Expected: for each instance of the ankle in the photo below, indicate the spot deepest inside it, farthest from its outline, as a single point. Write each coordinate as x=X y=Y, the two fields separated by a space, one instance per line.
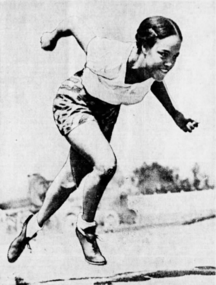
x=32 y=227
x=82 y=224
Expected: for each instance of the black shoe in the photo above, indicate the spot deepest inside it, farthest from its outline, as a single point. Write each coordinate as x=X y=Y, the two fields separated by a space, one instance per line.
x=18 y=244
x=92 y=253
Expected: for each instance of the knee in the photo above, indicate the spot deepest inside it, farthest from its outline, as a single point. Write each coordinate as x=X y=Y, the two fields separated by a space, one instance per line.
x=107 y=167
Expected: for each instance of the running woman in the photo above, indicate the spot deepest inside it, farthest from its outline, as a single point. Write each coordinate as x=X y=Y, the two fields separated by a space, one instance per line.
x=86 y=109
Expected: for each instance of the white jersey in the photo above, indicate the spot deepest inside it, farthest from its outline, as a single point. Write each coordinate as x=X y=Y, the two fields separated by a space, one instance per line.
x=105 y=70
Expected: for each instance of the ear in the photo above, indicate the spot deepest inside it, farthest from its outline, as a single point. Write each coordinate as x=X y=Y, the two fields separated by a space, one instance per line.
x=144 y=50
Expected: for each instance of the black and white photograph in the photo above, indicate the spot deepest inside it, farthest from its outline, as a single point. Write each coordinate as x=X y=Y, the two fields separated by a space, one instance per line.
x=107 y=157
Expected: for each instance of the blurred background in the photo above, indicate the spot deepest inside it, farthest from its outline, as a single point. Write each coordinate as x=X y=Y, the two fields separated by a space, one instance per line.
x=154 y=156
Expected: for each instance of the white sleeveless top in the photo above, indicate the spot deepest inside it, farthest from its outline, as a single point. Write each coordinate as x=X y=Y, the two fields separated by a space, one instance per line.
x=105 y=71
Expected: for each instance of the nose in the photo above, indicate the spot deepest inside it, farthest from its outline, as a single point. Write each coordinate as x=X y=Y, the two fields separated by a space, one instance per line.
x=169 y=63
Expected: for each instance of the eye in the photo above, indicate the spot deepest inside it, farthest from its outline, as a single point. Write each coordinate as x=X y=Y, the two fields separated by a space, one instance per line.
x=163 y=55
x=167 y=56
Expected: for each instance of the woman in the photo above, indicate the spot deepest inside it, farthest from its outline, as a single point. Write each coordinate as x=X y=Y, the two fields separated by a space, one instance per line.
x=86 y=109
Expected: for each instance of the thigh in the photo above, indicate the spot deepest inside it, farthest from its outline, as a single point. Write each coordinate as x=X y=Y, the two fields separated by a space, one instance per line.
x=105 y=114
x=89 y=141
x=89 y=147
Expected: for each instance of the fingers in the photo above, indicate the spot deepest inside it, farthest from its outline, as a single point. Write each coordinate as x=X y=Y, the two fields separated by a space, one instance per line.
x=186 y=129
x=187 y=125
x=191 y=125
x=45 y=41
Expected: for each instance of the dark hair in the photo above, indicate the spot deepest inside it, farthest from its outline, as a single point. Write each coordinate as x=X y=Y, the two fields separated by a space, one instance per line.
x=153 y=28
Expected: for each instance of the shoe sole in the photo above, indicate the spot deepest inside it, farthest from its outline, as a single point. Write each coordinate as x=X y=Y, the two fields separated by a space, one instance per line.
x=95 y=263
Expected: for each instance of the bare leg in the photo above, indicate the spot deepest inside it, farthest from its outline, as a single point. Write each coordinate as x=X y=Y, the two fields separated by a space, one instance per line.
x=89 y=141
x=57 y=194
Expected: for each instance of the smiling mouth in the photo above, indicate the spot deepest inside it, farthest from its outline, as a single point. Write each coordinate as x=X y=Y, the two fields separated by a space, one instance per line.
x=165 y=71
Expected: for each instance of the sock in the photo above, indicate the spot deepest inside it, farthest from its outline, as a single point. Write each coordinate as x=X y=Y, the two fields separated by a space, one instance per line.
x=82 y=224
x=32 y=227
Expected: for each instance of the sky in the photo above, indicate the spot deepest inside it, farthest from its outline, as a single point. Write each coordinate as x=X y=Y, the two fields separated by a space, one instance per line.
x=29 y=79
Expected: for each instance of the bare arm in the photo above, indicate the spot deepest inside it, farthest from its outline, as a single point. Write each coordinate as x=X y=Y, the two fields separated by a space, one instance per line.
x=73 y=26
x=160 y=92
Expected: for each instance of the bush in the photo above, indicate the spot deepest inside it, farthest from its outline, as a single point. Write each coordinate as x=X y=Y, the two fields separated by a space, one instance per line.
x=154 y=178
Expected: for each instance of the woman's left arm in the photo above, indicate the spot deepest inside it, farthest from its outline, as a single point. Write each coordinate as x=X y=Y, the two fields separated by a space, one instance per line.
x=160 y=92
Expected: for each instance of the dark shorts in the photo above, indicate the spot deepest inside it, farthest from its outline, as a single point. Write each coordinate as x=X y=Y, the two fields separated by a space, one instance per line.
x=73 y=106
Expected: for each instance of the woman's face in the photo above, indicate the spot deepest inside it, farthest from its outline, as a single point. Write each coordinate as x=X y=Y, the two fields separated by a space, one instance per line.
x=160 y=59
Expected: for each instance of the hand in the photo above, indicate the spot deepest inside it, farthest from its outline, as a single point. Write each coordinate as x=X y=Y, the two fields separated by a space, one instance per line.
x=187 y=125
x=48 y=41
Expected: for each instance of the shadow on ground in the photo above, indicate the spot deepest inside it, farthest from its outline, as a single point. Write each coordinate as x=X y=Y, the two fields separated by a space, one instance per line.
x=129 y=277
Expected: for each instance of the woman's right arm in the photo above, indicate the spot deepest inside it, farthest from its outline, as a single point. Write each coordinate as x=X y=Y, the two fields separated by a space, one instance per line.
x=72 y=26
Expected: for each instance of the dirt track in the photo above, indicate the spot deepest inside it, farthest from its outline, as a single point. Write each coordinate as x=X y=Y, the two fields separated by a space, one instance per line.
x=175 y=251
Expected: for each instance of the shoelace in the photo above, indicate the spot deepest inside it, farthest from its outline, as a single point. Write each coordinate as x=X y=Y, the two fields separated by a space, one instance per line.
x=28 y=240
x=92 y=237
x=29 y=247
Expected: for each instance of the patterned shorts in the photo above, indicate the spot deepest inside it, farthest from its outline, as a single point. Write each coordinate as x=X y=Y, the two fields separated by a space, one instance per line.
x=73 y=106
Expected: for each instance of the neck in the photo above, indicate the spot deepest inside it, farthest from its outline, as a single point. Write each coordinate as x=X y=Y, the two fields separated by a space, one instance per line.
x=136 y=72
